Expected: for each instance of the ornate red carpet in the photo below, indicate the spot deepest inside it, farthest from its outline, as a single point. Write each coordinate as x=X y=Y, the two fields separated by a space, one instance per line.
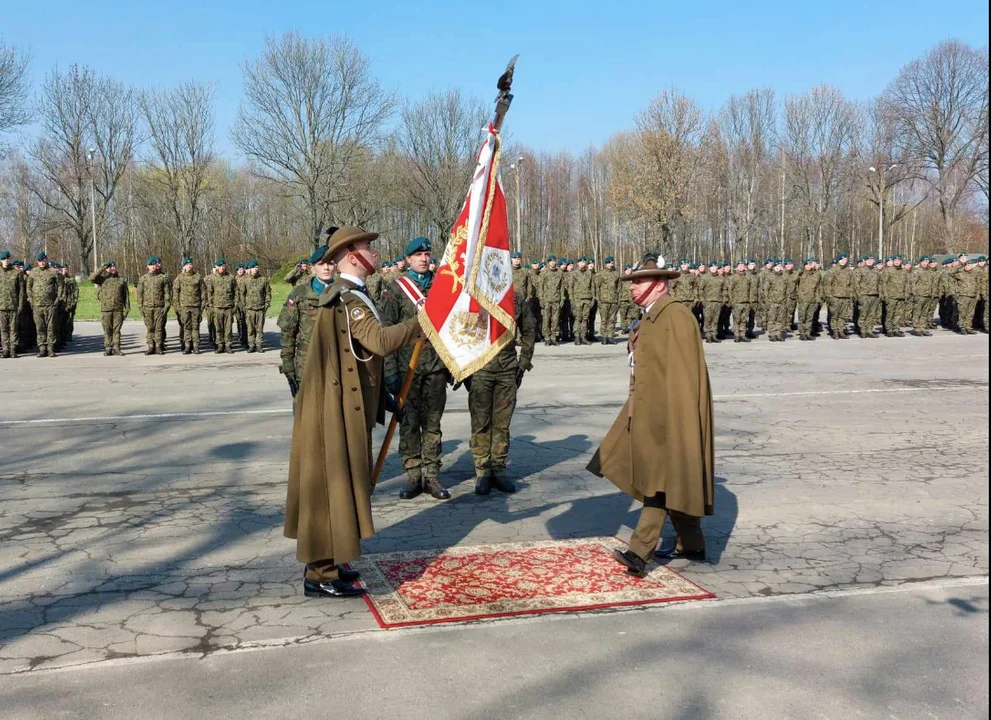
x=527 y=578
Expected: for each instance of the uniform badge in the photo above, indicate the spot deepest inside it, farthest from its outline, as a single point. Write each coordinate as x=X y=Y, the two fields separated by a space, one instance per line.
x=357 y=314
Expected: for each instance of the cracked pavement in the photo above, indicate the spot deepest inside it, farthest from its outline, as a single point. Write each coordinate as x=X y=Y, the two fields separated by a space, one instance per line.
x=840 y=465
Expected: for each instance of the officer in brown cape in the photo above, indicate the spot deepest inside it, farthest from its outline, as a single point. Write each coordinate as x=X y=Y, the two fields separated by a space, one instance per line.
x=660 y=448
x=342 y=396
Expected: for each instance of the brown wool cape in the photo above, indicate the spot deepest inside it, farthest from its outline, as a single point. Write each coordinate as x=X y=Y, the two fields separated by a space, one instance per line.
x=662 y=441
x=328 y=505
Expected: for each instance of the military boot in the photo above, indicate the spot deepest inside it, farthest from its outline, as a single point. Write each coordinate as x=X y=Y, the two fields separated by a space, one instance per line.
x=150 y=350
x=501 y=483
x=414 y=486
x=437 y=491
x=483 y=482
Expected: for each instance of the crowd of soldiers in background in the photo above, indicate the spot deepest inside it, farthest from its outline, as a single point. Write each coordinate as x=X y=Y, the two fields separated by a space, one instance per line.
x=38 y=305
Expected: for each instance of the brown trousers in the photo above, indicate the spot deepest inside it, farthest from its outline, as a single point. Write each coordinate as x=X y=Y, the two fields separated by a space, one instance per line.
x=651 y=523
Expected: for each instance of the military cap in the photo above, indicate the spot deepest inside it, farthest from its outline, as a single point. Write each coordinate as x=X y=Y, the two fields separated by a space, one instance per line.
x=316 y=256
x=18 y=263
x=345 y=237
x=110 y=264
x=386 y=264
x=27 y=266
x=981 y=258
x=187 y=261
x=219 y=261
x=41 y=256
x=5 y=255
x=251 y=264
x=515 y=255
x=551 y=258
x=948 y=261
x=582 y=259
x=627 y=267
x=609 y=259
x=417 y=244
x=651 y=266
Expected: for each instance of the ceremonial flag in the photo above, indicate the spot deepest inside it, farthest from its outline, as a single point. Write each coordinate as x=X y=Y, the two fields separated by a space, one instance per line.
x=470 y=312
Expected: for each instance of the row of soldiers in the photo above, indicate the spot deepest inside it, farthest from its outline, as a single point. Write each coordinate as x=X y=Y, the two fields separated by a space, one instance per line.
x=891 y=294
x=37 y=305
x=226 y=299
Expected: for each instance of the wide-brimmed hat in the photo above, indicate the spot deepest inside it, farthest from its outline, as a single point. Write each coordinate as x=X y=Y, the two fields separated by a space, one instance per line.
x=651 y=266
x=345 y=236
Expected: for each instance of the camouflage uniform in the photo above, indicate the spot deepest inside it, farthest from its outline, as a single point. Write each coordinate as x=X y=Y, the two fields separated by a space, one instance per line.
x=966 y=290
x=684 y=289
x=70 y=299
x=154 y=295
x=777 y=306
x=420 y=432
x=256 y=296
x=711 y=292
x=607 y=295
x=894 y=292
x=189 y=295
x=492 y=400
x=221 y=295
x=581 y=291
x=44 y=291
x=629 y=310
x=296 y=324
x=115 y=304
x=868 y=289
x=551 y=292
x=809 y=293
x=523 y=283
x=13 y=290
x=923 y=283
x=839 y=290
x=738 y=291
x=240 y=319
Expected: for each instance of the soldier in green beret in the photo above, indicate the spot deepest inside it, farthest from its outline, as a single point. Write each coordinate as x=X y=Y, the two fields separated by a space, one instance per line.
x=607 y=295
x=44 y=290
x=551 y=291
x=154 y=296
x=13 y=292
x=239 y=318
x=420 y=432
x=221 y=297
x=189 y=291
x=256 y=296
x=115 y=304
x=581 y=292
x=298 y=312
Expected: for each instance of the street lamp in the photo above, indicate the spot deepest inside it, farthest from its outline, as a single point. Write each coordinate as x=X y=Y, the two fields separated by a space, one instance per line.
x=92 y=204
x=519 y=204
x=880 y=207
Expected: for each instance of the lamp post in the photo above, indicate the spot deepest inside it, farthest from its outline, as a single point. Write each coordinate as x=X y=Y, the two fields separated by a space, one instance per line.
x=92 y=205
x=880 y=207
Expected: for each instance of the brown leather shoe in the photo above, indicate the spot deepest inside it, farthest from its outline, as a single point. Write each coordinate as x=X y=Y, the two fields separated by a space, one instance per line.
x=437 y=491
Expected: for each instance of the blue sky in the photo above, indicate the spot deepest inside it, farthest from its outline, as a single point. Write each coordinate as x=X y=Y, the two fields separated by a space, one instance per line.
x=585 y=68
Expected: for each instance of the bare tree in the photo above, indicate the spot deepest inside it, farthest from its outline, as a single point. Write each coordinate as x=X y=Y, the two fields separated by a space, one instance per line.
x=440 y=137
x=941 y=103
x=180 y=125
x=80 y=112
x=13 y=88
x=311 y=109
x=820 y=129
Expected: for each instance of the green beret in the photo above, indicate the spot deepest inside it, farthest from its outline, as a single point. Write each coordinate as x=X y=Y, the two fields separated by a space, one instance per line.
x=187 y=261
x=316 y=256
x=609 y=259
x=109 y=264
x=27 y=266
x=5 y=255
x=154 y=260
x=251 y=264
x=41 y=256
x=18 y=263
x=551 y=258
x=627 y=267
x=515 y=255
x=219 y=261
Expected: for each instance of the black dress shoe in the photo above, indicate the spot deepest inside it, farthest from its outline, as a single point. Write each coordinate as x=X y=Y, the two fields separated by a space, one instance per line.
x=635 y=565
x=436 y=490
x=413 y=488
x=346 y=575
x=332 y=589
x=676 y=553
x=483 y=486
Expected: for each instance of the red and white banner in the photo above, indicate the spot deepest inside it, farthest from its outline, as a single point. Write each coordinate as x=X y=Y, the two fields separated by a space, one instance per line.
x=470 y=311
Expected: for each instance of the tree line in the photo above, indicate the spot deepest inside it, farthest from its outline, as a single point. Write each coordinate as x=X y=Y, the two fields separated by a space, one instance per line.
x=324 y=143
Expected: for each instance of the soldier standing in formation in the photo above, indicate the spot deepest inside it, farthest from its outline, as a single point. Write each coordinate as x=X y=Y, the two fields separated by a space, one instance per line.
x=967 y=290
x=868 y=292
x=221 y=297
x=492 y=401
x=809 y=293
x=838 y=290
x=240 y=319
x=711 y=295
x=13 y=292
x=522 y=280
x=777 y=304
x=154 y=296
x=70 y=300
x=256 y=297
x=894 y=293
x=607 y=292
x=296 y=316
x=581 y=291
x=420 y=435
x=115 y=304
x=44 y=289
x=738 y=291
x=551 y=292
x=189 y=295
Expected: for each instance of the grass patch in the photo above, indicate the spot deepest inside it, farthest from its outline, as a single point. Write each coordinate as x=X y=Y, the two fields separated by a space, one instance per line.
x=89 y=306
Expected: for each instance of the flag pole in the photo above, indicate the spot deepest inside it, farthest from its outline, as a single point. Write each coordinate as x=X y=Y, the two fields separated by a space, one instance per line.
x=390 y=432
x=502 y=101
